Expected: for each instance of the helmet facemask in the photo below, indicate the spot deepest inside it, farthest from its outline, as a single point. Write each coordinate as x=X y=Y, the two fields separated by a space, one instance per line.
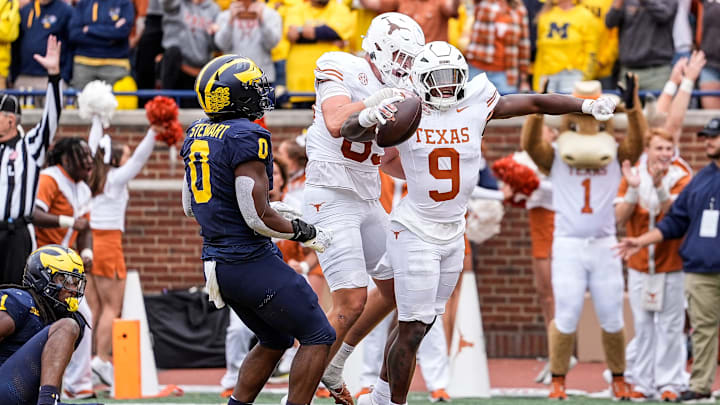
x=65 y=289
x=442 y=88
x=265 y=94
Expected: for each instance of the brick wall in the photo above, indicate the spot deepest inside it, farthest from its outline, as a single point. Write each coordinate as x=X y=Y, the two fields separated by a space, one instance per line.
x=165 y=246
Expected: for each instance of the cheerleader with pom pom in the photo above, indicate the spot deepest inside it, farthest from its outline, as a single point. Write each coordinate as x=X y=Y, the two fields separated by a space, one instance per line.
x=115 y=166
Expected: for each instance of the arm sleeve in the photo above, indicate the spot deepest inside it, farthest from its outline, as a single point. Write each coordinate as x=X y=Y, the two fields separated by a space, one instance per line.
x=47 y=191
x=110 y=31
x=129 y=170
x=223 y=38
x=677 y=221
x=40 y=136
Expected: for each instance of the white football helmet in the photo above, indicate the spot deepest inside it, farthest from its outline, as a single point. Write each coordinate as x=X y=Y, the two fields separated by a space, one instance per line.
x=392 y=41
x=439 y=75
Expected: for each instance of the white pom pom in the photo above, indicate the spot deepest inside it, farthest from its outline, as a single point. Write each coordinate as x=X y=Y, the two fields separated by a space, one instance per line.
x=483 y=220
x=97 y=99
x=524 y=159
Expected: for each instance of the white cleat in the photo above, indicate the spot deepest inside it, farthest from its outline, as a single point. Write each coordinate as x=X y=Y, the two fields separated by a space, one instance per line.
x=103 y=370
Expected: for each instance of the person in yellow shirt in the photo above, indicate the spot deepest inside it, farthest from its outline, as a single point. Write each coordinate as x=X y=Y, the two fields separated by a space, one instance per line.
x=567 y=45
x=314 y=28
x=607 y=53
x=9 y=31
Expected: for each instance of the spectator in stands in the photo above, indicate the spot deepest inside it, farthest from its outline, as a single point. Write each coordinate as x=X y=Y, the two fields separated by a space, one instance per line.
x=432 y=15
x=114 y=167
x=694 y=214
x=313 y=28
x=9 y=30
x=646 y=39
x=708 y=32
x=251 y=29
x=61 y=217
x=500 y=44
x=188 y=28
x=37 y=22
x=655 y=278
x=99 y=32
x=567 y=45
x=149 y=46
x=608 y=50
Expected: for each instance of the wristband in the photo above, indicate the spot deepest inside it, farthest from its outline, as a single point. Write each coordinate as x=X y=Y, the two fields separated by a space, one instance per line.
x=631 y=195
x=86 y=254
x=305 y=267
x=662 y=194
x=587 y=106
x=65 y=221
x=687 y=85
x=670 y=88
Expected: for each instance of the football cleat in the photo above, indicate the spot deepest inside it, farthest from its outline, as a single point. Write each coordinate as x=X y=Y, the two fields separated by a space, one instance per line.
x=341 y=395
x=637 y=396
x=439 y=395
x=619 y=389
x=363 y=391
x=557 y=389
x=668 y=396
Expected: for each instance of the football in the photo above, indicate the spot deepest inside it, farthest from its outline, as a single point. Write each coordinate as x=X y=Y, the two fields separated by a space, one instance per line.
x=403 y=125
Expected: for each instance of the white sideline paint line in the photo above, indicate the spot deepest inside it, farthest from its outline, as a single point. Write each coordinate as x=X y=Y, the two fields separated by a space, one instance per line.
x=216 y=389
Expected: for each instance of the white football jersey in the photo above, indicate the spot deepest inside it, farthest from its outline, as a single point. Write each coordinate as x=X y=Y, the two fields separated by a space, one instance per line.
x=583 y=199
x=337 y=162
x=442 y=163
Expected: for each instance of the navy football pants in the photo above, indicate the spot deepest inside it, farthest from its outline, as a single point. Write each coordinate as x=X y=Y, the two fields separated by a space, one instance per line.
x=275 y=302
x=20 y=374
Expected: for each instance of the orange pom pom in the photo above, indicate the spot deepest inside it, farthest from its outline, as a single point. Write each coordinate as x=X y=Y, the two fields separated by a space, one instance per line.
x=519 y=177
x=161 y=110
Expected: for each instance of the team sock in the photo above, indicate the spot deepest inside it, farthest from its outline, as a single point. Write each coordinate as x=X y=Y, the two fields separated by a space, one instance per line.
x=333 y=373
x=381 y=392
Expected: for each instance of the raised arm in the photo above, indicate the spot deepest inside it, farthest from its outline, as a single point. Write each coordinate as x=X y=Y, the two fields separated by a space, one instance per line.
x=128 y=171
x=540 y=151
x=40 y=137
x=514 y=105
x=631 y=146
x=679 y=105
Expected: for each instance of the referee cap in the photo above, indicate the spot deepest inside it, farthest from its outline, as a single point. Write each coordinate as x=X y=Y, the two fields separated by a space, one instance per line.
x=9 y=103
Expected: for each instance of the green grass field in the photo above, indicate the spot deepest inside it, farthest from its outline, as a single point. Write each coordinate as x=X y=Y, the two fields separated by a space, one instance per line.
x=415 y=399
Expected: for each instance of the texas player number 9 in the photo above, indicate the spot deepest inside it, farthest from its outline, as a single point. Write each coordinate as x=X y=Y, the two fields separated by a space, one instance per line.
x=452 y=174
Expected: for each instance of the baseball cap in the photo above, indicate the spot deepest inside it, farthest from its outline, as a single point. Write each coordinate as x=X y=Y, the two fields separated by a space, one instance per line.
x=712 y=129
x=9 y=103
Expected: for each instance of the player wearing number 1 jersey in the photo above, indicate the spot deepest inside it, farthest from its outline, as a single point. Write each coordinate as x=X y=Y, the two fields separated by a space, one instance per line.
x=342 y=182
x=228 y=173
x=441 y=164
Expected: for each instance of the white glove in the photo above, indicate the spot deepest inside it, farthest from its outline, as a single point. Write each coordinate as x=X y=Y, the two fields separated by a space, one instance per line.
x=381 y=95
x=285 y=210
x=601 y=109
x=321 y=241
x=379 y=114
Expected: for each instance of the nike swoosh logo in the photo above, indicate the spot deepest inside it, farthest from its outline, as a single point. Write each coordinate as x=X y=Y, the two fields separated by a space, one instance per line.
x=462 y=109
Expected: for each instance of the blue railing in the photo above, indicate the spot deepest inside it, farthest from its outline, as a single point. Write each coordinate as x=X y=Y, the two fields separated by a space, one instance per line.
x=185 y=94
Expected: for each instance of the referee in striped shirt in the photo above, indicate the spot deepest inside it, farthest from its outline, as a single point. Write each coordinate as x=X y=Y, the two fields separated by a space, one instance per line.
x=21 y=158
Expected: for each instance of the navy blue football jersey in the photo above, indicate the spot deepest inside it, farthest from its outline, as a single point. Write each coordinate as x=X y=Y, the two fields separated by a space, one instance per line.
x=211 y=152
x=21 y=307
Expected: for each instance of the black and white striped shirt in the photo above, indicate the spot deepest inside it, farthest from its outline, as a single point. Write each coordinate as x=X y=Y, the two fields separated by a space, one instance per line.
x=21 y=159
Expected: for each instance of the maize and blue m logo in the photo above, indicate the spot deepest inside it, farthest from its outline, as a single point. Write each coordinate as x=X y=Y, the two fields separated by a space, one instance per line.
x=560 y=30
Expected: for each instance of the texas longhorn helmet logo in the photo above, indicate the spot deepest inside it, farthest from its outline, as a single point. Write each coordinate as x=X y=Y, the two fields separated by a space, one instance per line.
x=394 y=27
